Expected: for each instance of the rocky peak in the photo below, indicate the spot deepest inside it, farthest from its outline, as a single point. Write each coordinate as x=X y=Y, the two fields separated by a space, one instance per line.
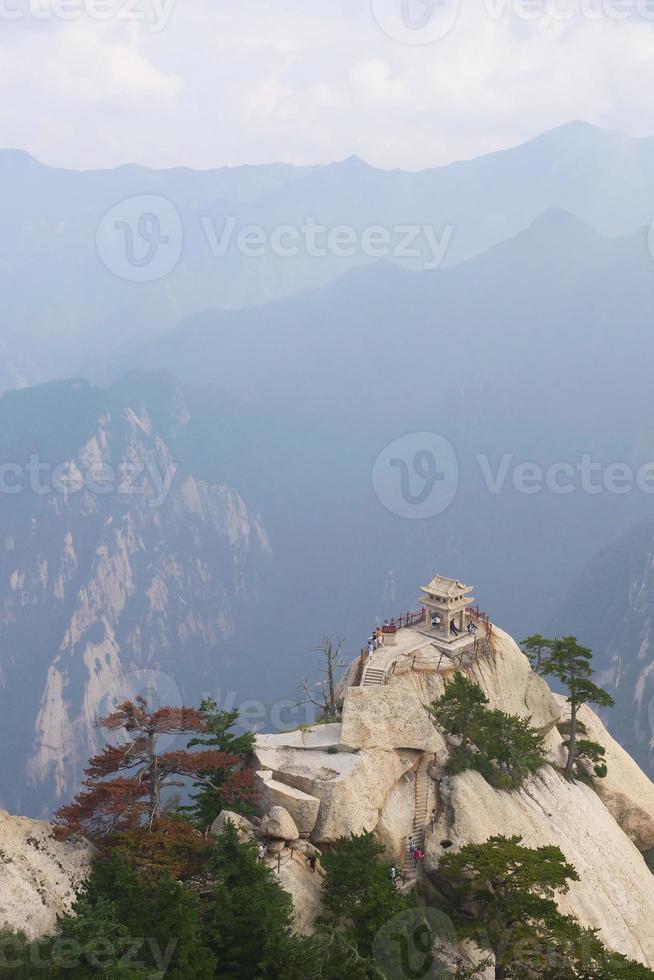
x=382 y=769
x=124 y=572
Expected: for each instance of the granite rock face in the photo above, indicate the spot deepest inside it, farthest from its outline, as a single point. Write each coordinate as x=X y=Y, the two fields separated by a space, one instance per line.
x=626 y=791
x=279 y=824
x=128 y=576
x=615 y=893
x=38 y=875
x=387 y=718
x=384 y=770
x=302 y=807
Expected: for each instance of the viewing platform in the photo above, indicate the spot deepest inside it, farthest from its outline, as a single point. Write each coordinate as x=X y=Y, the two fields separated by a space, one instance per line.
x=439 y=636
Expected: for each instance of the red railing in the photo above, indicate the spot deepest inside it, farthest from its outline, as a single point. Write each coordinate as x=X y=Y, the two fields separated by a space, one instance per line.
x=476 y=613
x=407 y=619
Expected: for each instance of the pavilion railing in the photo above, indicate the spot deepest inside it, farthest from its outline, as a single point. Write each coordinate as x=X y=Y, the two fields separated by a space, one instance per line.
x=402 y=621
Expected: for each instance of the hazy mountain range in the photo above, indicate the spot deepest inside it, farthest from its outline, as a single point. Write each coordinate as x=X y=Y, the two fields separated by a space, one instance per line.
x=530 y=346
x=62 y=304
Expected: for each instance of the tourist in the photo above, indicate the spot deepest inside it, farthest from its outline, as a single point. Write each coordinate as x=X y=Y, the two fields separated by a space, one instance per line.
x=380 y=636
x=412 y=847
x=313 y=860
x=435 y=622
x=371 y=647
x=432 y=821
x=417 y=855
x=394 y=875
x=454 y=629
x=261 y=853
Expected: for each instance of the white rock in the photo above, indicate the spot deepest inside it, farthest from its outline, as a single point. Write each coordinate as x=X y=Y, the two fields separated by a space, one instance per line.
x=396 y=819
x=387 y=718
x=625 y=790
x=278 y=823
x=615 y=893
x=242 y=824
x=318 y=737
x=39 y=876
x=296 y=877
x=302 y=807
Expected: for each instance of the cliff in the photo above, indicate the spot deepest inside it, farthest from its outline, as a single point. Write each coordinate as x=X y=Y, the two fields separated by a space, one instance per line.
x=383 y=770
x=38 y=875
x=122 y=572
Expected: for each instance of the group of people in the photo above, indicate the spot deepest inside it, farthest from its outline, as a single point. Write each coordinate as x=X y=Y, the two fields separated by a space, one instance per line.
x=376 y=638
x=436 y=622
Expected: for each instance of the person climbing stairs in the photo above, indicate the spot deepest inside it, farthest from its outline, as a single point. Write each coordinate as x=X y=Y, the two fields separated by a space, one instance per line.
x=423 y=801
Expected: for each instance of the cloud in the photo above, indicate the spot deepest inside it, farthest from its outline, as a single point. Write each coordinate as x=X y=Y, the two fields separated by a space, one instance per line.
x=233 y=81
x=372 y=82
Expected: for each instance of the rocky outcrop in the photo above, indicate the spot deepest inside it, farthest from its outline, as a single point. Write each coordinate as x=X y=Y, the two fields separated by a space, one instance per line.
x=302 y=807
x=278 y=823
x=351 y=788
x=384 y=767
x=38 y=875
x=126 y=576
x=294 y=862
x=626 y=791
x=244 y=826
x=304 y=887
x=387 y=718
x=615 y=893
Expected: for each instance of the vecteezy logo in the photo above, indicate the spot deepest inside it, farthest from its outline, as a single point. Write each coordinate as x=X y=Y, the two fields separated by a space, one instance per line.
x=416 y=21
x=416 y=476
x=405 y=948
x=141 y=239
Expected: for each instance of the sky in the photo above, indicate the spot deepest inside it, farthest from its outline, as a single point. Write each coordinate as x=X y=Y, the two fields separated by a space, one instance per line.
x=401 y=83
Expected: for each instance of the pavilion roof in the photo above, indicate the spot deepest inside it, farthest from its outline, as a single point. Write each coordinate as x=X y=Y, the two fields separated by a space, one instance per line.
x=446 y=588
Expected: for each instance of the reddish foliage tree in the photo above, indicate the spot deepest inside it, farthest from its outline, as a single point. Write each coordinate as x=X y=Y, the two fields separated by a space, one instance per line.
x=125 y=784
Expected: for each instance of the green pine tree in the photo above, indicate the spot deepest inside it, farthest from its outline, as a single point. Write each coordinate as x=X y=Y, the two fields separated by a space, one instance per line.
x=506 y=899
x=219 y=789
x=534 y=647
x=156 y=910
x=504 y=748
x=589 y=755
x=247 y=914
x=570 y=663
x=358 y=894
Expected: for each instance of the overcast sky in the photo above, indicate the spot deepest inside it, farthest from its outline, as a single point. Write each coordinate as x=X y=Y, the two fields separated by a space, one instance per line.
x=210 y=82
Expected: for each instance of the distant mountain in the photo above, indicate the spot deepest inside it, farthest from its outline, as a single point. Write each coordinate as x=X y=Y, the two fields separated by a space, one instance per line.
x=120 y=573
x=67 y=300
x=611 y=609
x=536 y=352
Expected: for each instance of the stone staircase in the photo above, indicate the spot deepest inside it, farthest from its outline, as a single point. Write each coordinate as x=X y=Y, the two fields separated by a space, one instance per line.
x=423 y=804
x=373 y=677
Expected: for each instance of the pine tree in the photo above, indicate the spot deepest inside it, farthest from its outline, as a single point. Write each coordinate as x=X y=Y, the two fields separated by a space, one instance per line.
x=504 y=748
x=358 y=894
x=229 y=786
x=509 y=748
x=247 y=914
x=568 y=661
x=459 y=708
x=512 y=891
x=127 y=783
x=534 y=647
x=156 y=910
x=588 y=754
